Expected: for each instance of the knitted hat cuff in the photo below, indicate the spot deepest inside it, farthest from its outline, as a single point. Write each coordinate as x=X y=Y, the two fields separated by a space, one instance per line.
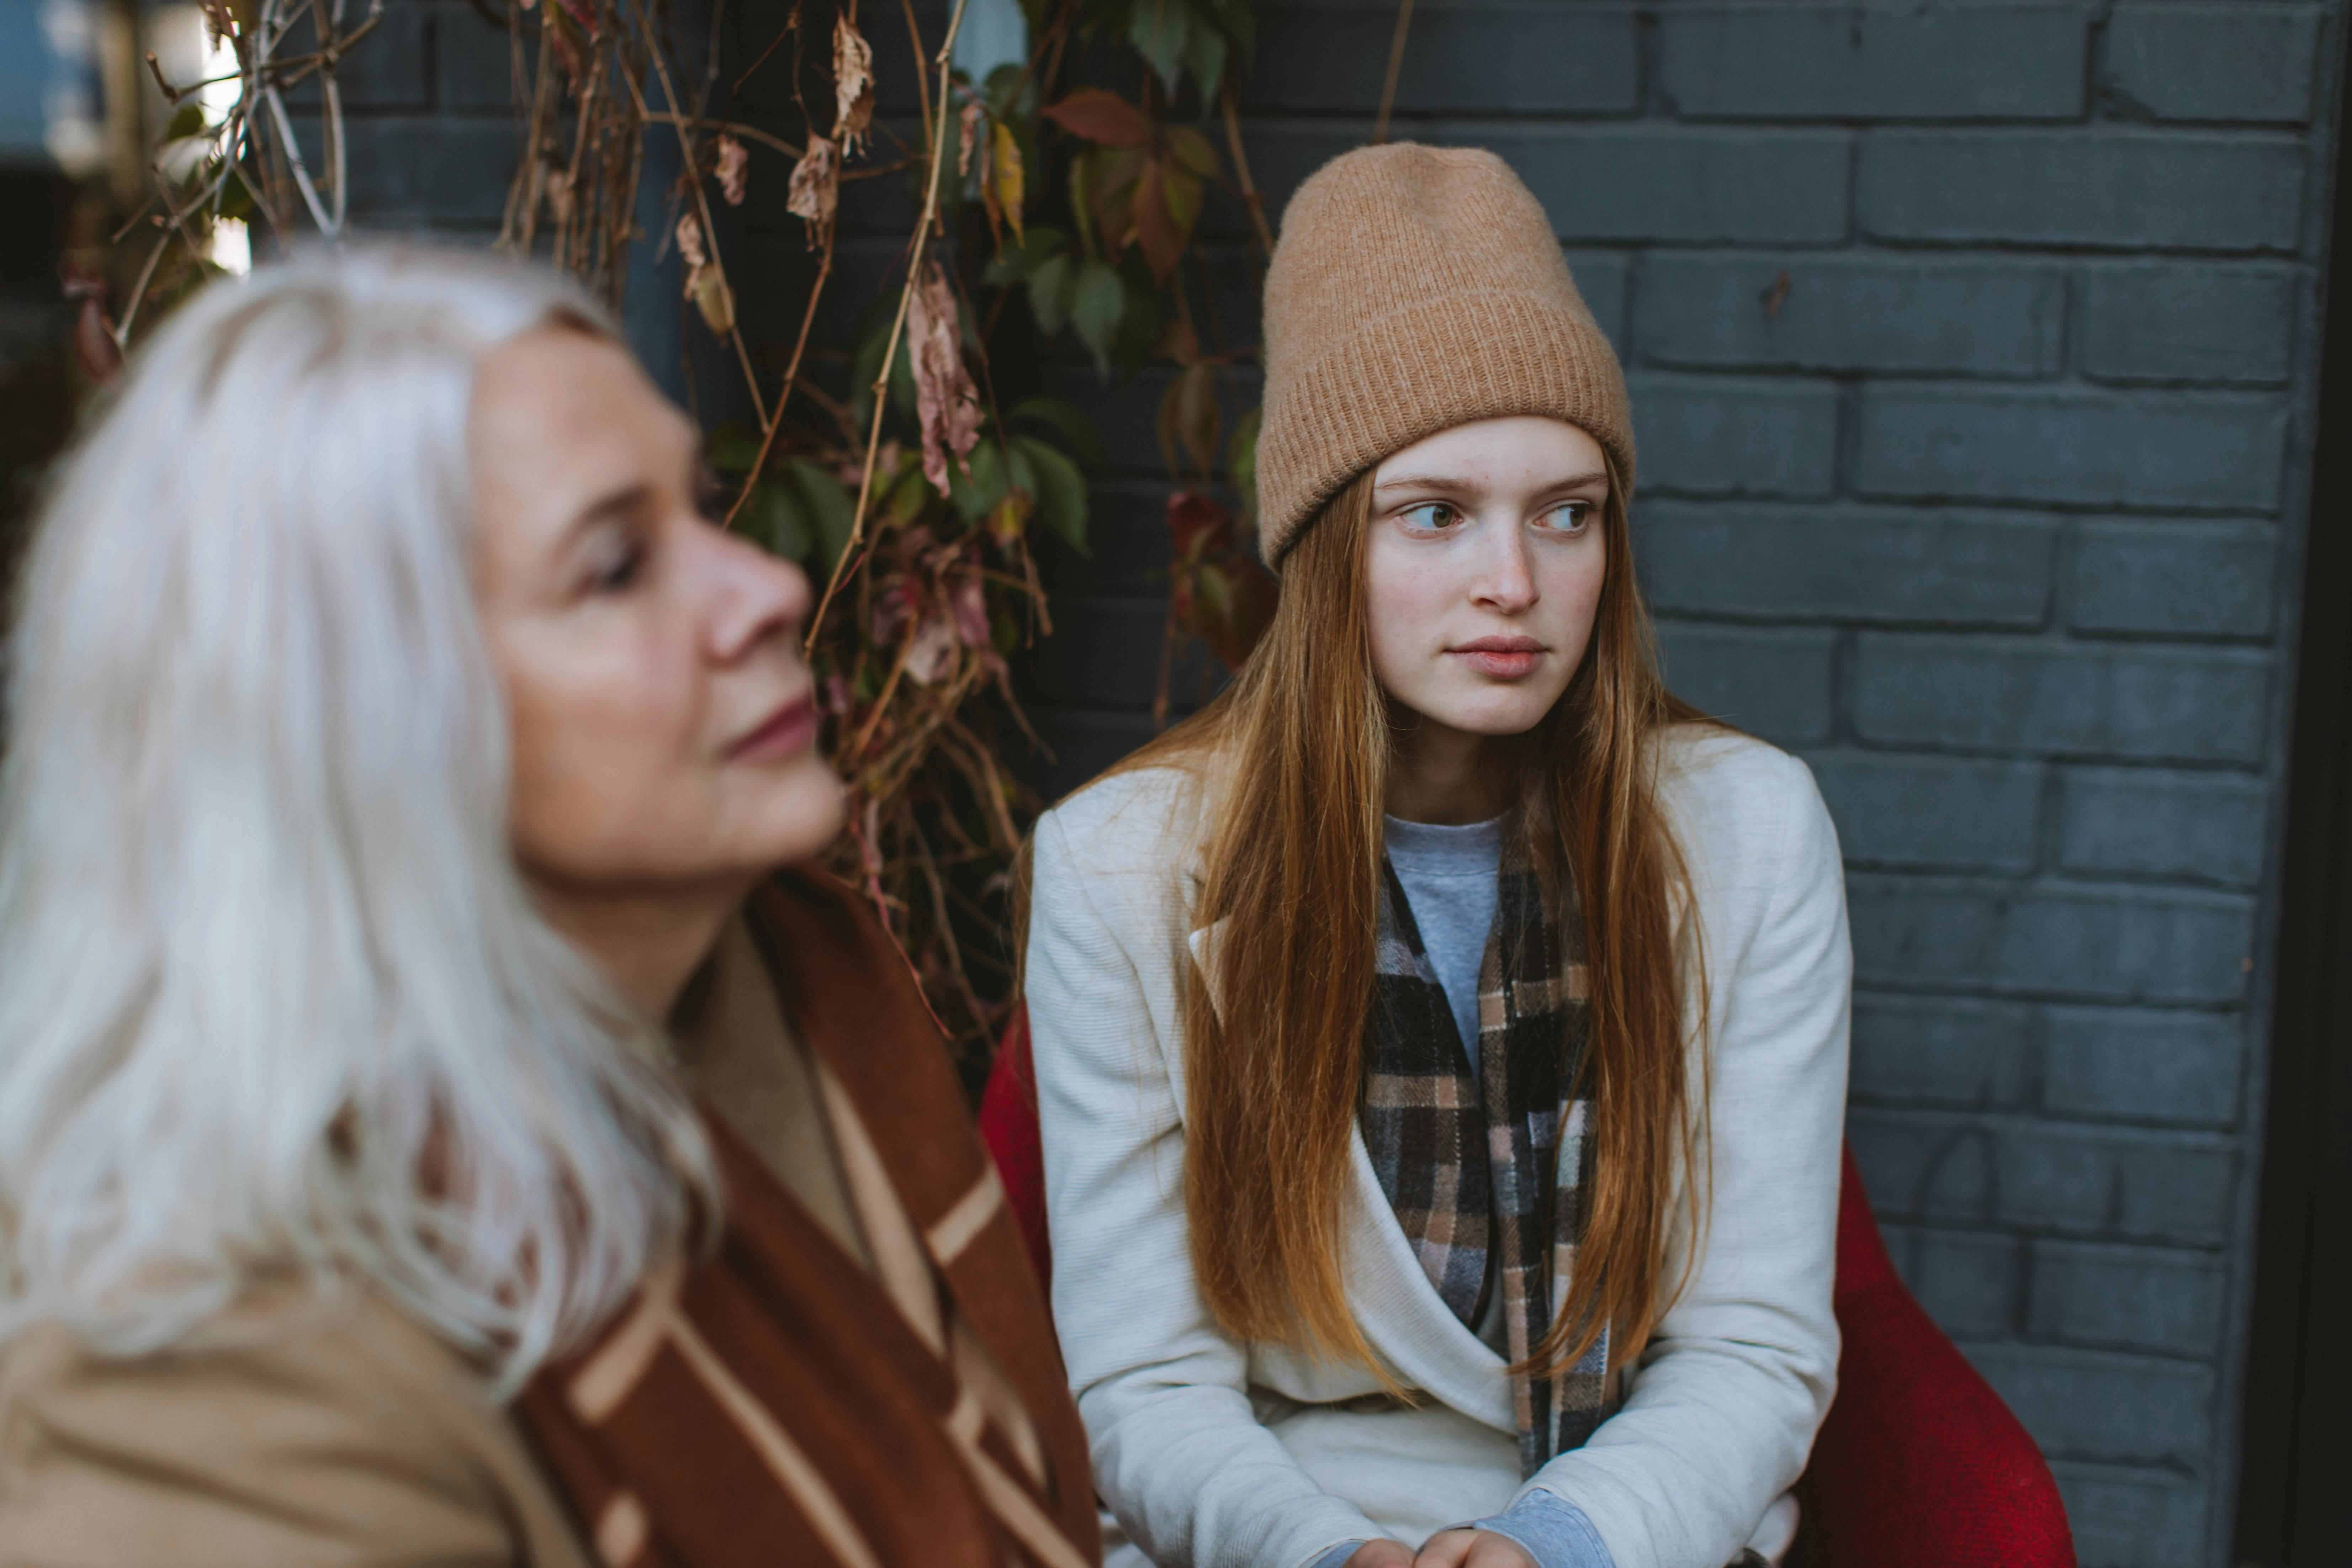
x=1408 y=374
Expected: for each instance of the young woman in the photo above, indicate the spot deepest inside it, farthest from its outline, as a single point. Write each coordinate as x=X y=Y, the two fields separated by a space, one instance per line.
x=398 y=767
x=1441 y=1039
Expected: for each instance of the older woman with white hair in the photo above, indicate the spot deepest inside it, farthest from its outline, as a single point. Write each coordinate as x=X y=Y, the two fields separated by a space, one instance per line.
x=431 y=1128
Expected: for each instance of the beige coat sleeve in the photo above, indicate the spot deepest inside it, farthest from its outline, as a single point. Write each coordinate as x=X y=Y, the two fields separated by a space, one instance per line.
x=345 y=1437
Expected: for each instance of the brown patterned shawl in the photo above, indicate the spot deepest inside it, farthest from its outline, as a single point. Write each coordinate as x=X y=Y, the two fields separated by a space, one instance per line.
x=777 y=1403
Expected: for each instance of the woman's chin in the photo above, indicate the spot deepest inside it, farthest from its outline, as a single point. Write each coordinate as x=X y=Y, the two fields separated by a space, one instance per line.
x=799 y=813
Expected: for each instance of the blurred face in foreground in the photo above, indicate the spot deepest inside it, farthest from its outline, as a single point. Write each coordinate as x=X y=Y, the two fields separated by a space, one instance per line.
x=1483 y=571
x=664 y=726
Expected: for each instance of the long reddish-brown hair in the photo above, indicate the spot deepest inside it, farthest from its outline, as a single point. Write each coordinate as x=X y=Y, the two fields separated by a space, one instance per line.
x=1299 y=745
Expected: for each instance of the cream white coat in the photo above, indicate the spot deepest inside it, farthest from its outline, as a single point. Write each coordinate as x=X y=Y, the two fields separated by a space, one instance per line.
x=1211 y=1453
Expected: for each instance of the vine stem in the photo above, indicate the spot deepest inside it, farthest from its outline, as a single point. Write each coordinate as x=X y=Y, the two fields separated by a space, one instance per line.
x=791 y=373
x=918 y=249
x=1396 y=65
x=701 y=196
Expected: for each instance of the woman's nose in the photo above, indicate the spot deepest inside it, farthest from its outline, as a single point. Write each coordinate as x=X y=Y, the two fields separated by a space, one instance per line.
x=754 y=595
x=1505 y=579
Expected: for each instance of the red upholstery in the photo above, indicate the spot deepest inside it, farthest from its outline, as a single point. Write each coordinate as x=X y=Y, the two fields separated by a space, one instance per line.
x=1919 y=1465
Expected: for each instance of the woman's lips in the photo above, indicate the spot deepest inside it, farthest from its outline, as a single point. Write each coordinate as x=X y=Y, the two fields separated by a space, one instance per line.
x=1500 y=658
x=787 y=731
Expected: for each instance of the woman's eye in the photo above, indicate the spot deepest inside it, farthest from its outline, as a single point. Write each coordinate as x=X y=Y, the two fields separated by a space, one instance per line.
x=1569 y=519
x=1432 y=517
x=617 y=562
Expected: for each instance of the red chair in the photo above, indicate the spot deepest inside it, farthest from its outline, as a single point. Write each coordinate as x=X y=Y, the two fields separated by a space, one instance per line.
x=1919 y=1465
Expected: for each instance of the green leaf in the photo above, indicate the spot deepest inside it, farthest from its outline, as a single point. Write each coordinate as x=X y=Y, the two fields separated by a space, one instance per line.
x=973 y=497
x=1050 y=290
x=732 y=445
x=1241 y=454
x=1205 y=57
x=1138 y=326
x=1097 y=306
x=1192 y=150
x=1066 y=420
x=1019 y=260
x=188 y=120
x=829 y=505
x=775 y=517
x=236 y=197
x=1159 y=30
x=1061 y=490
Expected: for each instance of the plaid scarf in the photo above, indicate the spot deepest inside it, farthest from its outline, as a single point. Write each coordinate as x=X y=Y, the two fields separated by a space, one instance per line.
x=1495 y=1164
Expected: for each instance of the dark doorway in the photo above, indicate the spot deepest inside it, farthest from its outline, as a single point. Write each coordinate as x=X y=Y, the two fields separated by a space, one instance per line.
x=2295 y=1504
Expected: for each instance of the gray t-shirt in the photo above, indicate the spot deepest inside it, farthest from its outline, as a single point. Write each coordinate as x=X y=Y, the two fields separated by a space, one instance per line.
x=1449 y=876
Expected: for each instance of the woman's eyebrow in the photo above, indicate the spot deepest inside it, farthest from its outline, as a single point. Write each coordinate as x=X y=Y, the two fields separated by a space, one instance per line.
x=620 y=504
x=1452 y=482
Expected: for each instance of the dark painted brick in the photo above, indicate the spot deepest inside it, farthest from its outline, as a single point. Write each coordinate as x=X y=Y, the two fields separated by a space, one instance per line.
x=1922 y=1167
x=1848 y=563
x=2214 y=62
x=2119 y=1182
x=1600 y=277
x=1946 y=813
x=2120 y=945
x=2204 y=827
x=1875 y=62
x=1873 y=312
x=386 y=69
x=2122 y=188
x=1624 y=183
x=1940 y=1050
x=1082 y=743
x=2094 y=1405
x=2188 y=579
x=2124 y=1517
x=407 y=170
x=2085 y=698
x=1127 y=540
x=473 y=64
x=1104 y=654
x=2142 y=1064
x=2187 y=322
x=2125 y=1298
x=1716 y=436
x=1775 y=684
x=1482 y=59
x=1968 y=1281
x=1125 y=411
x=2220 y=451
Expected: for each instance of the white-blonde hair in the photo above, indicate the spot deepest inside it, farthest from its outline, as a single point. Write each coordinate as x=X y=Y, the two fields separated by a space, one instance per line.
x=274 y=1000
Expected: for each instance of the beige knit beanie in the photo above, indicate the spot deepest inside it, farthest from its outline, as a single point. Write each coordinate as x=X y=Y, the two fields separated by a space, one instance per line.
x=1415 y=289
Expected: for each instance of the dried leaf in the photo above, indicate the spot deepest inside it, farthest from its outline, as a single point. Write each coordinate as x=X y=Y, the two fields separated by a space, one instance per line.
x=1011 y=179
x=1100 y=116
x=945 y=399
x=707 y=287
x=689 y=243
x=1189 y=420
x=706 y=284
x=970 y=603
x=932 y=654
x=968 y=136
x=852 y=84
x=734 y=165
x=816 y=189
x=93 y=341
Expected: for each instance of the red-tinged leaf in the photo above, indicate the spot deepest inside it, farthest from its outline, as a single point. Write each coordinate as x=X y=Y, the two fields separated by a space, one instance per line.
x=1155 y=234
x=1102 y=117
x=1179 y=191
x=1111 y=180
x=1198 y=526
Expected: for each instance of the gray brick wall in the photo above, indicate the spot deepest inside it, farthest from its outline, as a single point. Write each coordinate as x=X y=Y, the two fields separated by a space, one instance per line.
x=1993 y=519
